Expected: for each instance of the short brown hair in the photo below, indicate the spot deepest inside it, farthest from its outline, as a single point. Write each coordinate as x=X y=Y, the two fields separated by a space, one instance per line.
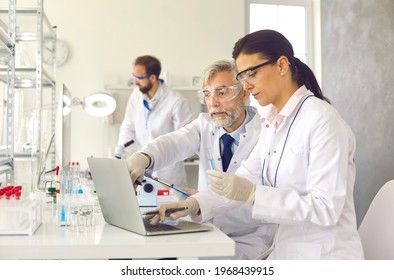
x=151 y=63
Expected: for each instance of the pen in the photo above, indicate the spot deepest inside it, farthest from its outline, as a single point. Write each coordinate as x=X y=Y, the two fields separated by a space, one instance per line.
x=163 y=182
x=170 y=210
x=128 y=143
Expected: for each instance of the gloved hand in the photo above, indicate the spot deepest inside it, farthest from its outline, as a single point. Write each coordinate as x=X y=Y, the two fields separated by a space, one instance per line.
x=191 y=205
x=231 y=186
x=136 y=164
x=189 y=191
x=119 y=151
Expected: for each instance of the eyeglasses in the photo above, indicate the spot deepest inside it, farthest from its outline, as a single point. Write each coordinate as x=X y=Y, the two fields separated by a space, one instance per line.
x=249 y=75
x=222 y=93
x=141 y=77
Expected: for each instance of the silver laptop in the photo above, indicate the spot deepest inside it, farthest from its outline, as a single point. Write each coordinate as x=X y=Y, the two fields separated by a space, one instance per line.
x=119 y=203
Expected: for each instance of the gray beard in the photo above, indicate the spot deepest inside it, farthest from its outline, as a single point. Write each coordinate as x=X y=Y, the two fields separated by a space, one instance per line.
x=230 y=118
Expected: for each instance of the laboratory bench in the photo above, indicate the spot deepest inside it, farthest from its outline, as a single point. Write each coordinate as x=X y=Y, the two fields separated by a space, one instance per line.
x=104 y=241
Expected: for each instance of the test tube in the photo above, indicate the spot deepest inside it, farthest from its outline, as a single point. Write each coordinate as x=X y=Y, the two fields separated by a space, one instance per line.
x=74 y=217
x=62 y=211
x=210 y=159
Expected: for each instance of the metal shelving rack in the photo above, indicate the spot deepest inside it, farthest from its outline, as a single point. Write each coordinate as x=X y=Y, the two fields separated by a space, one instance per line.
x=38 y=79
x=7 y=55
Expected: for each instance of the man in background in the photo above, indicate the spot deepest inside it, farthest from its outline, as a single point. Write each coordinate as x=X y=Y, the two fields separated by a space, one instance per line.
x=154 y=109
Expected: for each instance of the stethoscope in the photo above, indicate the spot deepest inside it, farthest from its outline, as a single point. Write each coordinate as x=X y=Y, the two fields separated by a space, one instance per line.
x=284 y=144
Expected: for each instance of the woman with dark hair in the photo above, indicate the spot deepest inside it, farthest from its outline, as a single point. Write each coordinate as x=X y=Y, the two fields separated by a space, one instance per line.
x=304 y=158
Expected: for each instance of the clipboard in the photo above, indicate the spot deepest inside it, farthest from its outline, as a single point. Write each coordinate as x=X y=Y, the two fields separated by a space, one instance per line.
x=168 y=185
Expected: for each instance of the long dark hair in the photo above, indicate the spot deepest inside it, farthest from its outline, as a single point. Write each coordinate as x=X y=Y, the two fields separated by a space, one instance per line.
x=271 y=44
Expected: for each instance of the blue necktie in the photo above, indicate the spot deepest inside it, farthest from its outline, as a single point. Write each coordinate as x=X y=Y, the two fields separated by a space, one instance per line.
x=146 y=104
x=227 y=152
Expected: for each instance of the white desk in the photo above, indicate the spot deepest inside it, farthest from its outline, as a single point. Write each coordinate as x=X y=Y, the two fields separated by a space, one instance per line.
x=104 y=241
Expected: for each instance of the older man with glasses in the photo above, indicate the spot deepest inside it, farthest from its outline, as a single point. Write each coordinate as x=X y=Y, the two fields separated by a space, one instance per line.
x=153 y=109
x=222 y=138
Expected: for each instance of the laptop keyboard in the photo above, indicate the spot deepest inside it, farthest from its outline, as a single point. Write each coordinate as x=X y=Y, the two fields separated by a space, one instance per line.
x=158 y=227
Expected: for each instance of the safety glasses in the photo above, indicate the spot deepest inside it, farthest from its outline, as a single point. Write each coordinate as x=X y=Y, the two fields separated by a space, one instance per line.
x=249 y=75
x=222 y=93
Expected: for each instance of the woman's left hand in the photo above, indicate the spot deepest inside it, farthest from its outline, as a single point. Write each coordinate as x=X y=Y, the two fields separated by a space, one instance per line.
x=231 y=186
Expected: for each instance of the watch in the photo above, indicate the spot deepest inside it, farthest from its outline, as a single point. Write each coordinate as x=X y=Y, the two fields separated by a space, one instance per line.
x=62 y=52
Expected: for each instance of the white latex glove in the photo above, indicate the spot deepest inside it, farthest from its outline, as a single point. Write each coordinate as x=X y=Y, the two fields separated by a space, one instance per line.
x=231 y=186
x=191 y=205
x=136 y=164
x=119 y=151
x=189 y=191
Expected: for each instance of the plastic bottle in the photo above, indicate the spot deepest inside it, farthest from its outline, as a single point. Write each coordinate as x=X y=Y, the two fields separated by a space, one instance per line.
x=77 y=178
x=62 y=208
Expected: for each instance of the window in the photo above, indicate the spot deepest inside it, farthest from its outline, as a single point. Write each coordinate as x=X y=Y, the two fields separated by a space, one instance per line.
x=297 y=20
x=292 y=18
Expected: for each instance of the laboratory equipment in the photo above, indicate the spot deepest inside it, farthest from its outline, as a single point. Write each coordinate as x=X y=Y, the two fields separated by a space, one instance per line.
x=75 y=206
x=18 y=215
x=147 y=193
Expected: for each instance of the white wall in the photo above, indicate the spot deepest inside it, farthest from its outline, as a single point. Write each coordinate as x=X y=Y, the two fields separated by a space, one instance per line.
x=106 y=36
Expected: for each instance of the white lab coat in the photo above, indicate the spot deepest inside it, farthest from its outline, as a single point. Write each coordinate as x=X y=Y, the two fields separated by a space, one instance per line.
x=171 y=112
x=312 y=202
x=195 y=138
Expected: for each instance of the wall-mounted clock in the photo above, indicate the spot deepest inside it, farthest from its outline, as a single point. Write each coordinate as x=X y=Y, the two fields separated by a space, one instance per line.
x=62 y=52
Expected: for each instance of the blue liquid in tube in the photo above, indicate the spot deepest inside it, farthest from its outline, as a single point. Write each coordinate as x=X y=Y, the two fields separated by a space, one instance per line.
x=212 y=164
x=210 y=159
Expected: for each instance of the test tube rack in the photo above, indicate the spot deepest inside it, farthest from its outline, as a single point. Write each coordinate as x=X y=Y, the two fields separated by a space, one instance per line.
x=22 y=217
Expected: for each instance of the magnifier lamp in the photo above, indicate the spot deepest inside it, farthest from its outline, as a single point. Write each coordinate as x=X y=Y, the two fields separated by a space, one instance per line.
x=98 y=104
